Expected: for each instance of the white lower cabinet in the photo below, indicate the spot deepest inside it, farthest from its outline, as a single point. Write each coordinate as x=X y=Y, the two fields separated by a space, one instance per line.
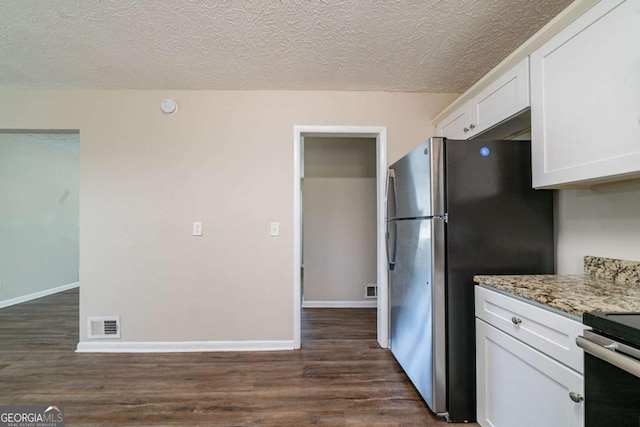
x=519 y=384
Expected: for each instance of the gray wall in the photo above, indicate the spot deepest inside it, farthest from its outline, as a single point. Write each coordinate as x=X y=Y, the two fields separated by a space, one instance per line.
x=38 y=213
x=339 y=219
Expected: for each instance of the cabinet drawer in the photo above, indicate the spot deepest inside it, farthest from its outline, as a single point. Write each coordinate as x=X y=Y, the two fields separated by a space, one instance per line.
x=548 y=332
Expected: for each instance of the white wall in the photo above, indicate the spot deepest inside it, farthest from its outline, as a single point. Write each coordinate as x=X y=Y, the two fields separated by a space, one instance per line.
x=38 y=213
x=602 y=221
x=339 y=220
x=226 y=159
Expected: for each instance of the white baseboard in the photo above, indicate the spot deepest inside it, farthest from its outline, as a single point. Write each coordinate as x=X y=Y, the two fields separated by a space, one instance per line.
x=340 y=304
x=36 y=295
x=181 y=346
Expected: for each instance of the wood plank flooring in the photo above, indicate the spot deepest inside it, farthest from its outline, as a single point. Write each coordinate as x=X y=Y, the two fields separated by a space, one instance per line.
x=339 y=378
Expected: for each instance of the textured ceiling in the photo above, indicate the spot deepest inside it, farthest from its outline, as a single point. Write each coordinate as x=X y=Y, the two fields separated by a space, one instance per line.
x=430 y=46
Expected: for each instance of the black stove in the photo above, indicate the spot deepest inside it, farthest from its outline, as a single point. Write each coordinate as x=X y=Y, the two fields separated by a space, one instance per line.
x=611 y=369
x=618 y=326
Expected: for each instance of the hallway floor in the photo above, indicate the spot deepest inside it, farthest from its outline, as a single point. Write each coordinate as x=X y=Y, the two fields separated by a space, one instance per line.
x=340 y=376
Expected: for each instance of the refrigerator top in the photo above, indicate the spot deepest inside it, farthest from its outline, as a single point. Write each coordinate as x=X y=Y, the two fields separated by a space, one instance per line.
x=415 y=185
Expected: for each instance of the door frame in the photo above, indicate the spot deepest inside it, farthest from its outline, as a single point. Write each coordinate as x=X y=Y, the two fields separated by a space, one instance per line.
x=380 y=134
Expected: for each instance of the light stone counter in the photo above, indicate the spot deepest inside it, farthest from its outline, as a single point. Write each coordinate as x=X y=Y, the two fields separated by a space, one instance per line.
x=571 y=294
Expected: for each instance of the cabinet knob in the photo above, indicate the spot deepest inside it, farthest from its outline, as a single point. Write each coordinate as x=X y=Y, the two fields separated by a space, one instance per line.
x=465 y=130
x=576 y=397
x=516 y=320
x=472 y=126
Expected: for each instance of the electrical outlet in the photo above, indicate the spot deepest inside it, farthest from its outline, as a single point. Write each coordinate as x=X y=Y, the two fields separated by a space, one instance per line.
x=197 y=229
x=274 y=229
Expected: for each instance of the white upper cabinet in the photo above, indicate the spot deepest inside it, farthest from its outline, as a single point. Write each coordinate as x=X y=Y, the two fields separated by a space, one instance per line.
x=456 y=124
x=502 y=99
x=585 y=99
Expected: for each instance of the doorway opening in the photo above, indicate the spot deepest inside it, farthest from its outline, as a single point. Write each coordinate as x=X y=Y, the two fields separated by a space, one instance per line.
x=39 y=220
x=338 y=184
x=324 y=142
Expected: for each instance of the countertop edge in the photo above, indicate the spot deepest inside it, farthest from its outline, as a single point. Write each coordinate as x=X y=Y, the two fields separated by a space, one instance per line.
x=533 y=302
x=574 y=294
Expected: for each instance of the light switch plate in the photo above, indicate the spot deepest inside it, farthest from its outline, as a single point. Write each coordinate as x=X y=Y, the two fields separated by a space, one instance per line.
x=197 y=229
x=275 y=229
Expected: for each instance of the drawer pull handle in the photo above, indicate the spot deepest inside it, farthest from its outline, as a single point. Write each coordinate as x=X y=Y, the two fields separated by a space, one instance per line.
x=576 y=397
x=465 y=130
x=516 y=320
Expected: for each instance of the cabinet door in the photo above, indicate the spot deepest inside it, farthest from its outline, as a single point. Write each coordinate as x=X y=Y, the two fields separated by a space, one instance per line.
x=519 y=386
x=551 y=333
x=503 y=99
x=456 y=125
x=585 y=98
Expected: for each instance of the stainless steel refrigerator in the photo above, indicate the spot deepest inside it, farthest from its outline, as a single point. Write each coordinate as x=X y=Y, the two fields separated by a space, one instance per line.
x=456 y=209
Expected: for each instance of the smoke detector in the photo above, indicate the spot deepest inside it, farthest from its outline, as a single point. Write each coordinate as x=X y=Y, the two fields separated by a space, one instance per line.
x=168 y=106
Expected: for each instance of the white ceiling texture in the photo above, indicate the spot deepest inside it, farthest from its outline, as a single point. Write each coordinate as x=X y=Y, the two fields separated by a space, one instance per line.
x=388 y=45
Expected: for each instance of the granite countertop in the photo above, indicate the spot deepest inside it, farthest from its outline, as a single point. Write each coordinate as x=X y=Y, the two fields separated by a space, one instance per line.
x=571 y=294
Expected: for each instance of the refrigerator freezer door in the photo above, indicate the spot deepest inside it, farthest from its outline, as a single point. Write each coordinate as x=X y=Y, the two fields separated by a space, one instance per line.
x=412 y=181
x=497 y=224
x=414 y=340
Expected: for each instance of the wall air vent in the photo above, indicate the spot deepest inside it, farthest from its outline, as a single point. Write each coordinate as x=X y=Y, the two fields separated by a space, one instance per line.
x=104 y=327
x=371 y=291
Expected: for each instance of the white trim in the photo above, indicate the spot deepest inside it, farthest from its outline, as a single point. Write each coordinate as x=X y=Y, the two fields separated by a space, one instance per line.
x=380 y=133
x=339 y=304
x=39 y=294
x=181 y=346
x=381 y=247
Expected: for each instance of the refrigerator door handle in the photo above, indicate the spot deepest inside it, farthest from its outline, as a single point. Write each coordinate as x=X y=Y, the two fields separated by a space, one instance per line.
x=391 y=186
x=391 y=182
x=391 y=259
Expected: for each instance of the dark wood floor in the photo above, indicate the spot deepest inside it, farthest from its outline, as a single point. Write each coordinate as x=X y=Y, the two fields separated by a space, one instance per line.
x=340 y=376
